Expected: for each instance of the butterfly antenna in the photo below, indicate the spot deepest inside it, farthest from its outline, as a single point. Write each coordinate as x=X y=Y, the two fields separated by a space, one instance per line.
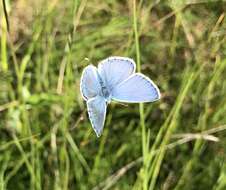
x=85 y=61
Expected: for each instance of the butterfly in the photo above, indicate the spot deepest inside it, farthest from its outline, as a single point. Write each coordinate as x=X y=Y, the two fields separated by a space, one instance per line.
x=114 y=79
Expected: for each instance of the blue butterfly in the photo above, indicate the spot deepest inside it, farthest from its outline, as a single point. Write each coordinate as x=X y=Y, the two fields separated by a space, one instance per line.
x=114 y=79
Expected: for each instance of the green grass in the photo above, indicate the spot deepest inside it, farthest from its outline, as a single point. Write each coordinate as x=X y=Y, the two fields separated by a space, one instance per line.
x=46 y=140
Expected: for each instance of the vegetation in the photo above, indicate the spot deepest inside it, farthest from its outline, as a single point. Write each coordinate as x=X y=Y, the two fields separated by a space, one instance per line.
x=46 y=140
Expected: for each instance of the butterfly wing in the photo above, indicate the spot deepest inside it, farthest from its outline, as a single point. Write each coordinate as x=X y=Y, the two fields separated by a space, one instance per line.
x=89 y=84
x=97 y=111
x=137 y=88
x=114 y=70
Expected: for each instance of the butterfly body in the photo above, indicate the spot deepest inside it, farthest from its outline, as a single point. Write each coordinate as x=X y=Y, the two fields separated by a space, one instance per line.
x=105 y=92
x=114 y=79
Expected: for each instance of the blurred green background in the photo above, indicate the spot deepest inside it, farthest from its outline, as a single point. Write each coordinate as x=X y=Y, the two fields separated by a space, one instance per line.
x=46 y=140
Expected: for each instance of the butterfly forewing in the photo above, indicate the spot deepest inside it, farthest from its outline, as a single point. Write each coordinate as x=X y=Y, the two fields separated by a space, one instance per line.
x=97 y=112
x=137 y=88
x=90 y=85
x=115 y=70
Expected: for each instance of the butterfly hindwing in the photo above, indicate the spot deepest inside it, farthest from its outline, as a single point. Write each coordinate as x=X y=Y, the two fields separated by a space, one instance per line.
x=137 y=88
x=115 y=70
x=97 y=111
